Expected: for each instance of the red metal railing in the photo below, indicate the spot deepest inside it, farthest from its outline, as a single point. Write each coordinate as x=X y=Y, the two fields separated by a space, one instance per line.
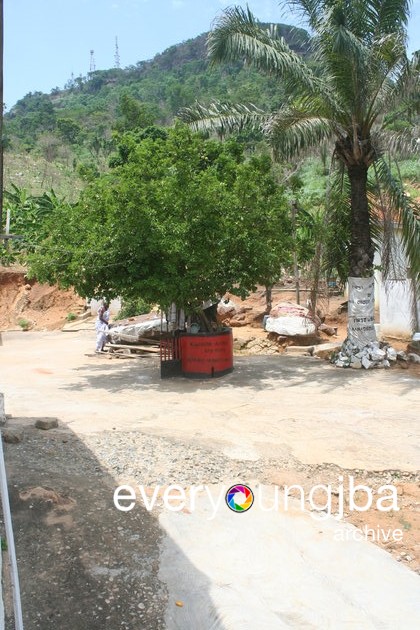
x=169 y=349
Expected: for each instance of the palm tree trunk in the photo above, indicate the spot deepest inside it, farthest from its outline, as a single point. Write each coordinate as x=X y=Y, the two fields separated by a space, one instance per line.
x=361 y=311
x=361 y=249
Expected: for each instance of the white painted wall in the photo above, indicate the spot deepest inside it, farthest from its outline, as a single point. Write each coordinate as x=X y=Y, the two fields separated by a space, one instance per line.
x=396 y=299
x=396 y=308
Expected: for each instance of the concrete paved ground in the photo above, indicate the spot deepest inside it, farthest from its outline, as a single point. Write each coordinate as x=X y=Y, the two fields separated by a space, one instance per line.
x=255 y=570
x=268 y=405
x=275 y=570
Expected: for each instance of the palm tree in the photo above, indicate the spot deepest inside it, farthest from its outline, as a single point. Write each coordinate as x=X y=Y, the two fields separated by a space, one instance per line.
x=358 y=74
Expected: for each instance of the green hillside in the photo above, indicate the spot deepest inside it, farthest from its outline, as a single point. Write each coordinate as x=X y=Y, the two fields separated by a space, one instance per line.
x=63 y=139
x=171 y=80
x=71 y=130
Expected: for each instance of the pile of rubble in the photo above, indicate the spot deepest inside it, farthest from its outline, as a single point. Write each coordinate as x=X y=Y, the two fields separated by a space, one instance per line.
x=376 y=354
x=255 y=345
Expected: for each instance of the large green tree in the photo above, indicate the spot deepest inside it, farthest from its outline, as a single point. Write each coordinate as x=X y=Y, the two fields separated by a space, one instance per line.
x=180 y=219
x=359 y=73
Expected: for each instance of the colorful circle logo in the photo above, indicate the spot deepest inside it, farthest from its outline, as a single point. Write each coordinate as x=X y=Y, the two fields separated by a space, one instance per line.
x=239 y=498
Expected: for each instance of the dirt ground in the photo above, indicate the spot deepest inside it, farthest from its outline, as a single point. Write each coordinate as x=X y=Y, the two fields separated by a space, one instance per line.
x=77 y=568
x=27 y=303
x=283 y=420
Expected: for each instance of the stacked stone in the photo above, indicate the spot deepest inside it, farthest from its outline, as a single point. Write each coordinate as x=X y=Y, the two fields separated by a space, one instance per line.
x=376 y=354
x=413 y=349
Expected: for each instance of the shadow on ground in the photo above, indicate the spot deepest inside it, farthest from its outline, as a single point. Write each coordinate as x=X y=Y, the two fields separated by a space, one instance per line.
x=256 y=373
x=84 y=565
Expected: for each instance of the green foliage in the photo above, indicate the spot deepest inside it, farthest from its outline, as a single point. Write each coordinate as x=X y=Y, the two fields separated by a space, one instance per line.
x=69 y=130
x=85 y=114
x=262 y=224
x=182 y=220
x=408 y=169
x=31 y=116
x=356 y=88
x=130 y=101
x=29 y=219
x=133 y=307
x=70 y=317
x=134 y=115
x=87 y=172
x=314 y=182
x=24 y=323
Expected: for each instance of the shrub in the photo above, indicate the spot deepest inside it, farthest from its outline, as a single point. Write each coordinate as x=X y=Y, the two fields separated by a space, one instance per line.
x=25 y=324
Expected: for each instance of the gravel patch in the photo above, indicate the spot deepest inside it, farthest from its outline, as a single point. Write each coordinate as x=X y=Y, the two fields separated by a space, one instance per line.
x=151 y=460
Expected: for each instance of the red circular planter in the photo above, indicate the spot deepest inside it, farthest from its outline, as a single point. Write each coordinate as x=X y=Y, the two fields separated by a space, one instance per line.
x=206 y=355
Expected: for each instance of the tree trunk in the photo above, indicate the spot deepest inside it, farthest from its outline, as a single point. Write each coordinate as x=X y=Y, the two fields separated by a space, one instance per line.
x=361 y=248
x=316 y=273
x=268 y=298
x=361 y=313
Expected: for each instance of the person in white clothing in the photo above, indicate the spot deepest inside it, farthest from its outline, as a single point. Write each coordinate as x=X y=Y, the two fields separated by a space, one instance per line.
x=102 y=327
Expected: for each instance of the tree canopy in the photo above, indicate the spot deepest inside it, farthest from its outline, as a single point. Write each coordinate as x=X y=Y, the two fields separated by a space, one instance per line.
x=181 y=219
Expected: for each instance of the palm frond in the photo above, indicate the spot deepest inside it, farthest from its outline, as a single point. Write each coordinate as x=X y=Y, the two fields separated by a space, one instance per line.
x=405 y=213
x=383 y=99
x=392 y=15
x=346 y=57
x=292 y=130
x=408 y=84
x=223 y=117
x=390 y=48
x=337 y=218
x=404 y=143
x=308 y=11
x=364 y=56
x=238 y=35
x=392 y=78
x=382 y=228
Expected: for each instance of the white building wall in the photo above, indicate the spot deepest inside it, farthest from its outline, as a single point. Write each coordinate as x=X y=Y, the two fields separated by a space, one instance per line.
x=397 y=316
x=396 y=308
x=114 y=307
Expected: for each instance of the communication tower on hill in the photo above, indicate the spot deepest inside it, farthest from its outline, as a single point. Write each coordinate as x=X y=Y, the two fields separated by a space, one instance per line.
x=117 y=62
x=92 y=61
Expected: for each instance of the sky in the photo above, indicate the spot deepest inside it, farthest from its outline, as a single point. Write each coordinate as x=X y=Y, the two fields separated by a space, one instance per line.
x=48 y=41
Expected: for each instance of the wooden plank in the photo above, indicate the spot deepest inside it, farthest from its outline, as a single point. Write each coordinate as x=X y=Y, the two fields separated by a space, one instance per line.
x=120 y=355
x=133 y=347
x=150 y=340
